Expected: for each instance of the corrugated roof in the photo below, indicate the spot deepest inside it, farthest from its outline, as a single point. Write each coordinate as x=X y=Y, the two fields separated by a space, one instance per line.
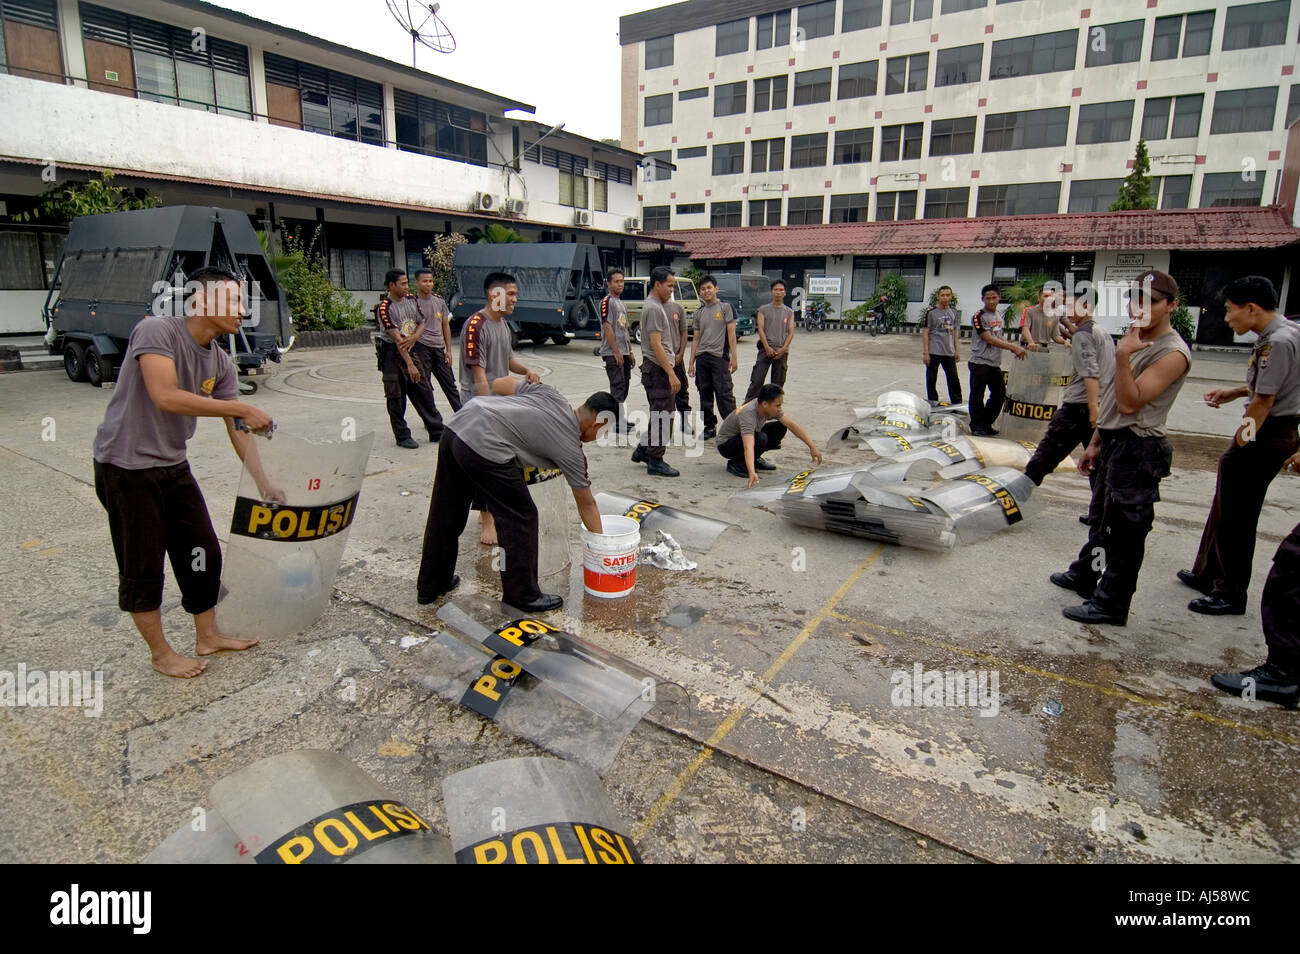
x=1239 y=227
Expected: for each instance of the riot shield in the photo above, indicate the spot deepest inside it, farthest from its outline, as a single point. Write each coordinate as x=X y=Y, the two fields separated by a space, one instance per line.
x=534 y=811
x=555 y=517
x=983 y=503
x=288 y=533
x=691 y=530
x=852 y=502
x=1034 y=388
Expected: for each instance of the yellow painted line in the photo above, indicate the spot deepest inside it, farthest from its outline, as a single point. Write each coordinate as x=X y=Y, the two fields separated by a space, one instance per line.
x=674 y=790
x=1111 y=691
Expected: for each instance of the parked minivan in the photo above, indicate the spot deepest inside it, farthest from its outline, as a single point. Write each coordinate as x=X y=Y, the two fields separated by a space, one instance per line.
x=635 y=290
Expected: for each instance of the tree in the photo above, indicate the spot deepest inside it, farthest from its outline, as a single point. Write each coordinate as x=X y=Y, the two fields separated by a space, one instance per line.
x=64 y=202
x=618 y=143
x=1135 y=192
x=494 y=233
x=315 y=302
x=442 y=255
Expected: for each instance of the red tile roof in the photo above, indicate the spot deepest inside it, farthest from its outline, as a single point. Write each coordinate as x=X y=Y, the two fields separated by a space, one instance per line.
x=1240 y=227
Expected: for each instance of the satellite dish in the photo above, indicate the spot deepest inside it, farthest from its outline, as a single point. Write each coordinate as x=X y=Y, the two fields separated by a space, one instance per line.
x=425 y=28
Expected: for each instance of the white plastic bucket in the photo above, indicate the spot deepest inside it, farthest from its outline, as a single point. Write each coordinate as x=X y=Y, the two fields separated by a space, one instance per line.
x=609 y=558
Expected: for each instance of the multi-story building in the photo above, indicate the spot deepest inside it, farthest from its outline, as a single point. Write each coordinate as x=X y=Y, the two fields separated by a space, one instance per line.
x=204 y=105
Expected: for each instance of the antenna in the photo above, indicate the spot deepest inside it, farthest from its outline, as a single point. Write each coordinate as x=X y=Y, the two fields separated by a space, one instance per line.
x=426 y=29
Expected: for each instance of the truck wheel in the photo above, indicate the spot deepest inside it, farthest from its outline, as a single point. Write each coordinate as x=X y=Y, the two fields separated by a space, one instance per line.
x=636 y=333
x=538 y=340
x=247 y=387
x=560 y=339
x=96 y=372
x=74 y=361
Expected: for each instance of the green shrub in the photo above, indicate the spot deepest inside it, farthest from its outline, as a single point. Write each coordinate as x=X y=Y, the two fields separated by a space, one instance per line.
x=894 y=286
x=315 y=302
x=442 y=255
x=1181 y=319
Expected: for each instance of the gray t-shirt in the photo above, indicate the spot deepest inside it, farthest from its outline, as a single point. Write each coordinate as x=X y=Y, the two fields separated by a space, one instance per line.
x=678 y=314
x=655 y=319
x=401 y=314
x=711 y=323
x=484 y=343
x=1042 y=326
x=981 y=352
x=1150 y=419
x=135 y=434
x=1275 y=367
x=941 y=322
x=743 y=420
x=777 y=321
x=432 y=310
x=614 y=313
x=1093 y=353
x=534 y=426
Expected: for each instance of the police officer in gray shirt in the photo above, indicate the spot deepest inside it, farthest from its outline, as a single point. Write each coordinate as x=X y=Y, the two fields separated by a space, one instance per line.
x=615 y=348
x=713 y=356
x=986 y=346
x=659 y=346
x=775 y=335
x=939 y=347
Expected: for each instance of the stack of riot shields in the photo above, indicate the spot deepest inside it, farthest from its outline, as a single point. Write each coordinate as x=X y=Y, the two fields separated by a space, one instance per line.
x=901 y=417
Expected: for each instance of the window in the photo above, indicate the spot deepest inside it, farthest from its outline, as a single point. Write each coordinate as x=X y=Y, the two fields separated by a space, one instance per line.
x=807 y=152
x=1031 y=129
x=952 y=137
x=699 y=93
x=895 y=206
x=770 y=93
x=1105 y=122
x=691 y=208
x=335 y=104
x=817 y=19
x=167 y=67
x=764 y=212
x=858 y=79
x=599 y=195
x=656 y=218
x=1031 y=55
x=28 y=257
x=1093 y=195
x=1244 y=110
x=1025 y=198
x=732 y=37
x=1195 y=30
x=359 y=255
x=861 y=14
x=906 y=74
x=767 y=155
x=907 y=11
x=850 y=208
x=692 y=152
x=1186 y=113
x=1293 y=105
x=435 y=128
x=773 y=30
x=946 y=203
x=868 y=270
x=724 y=215
x=812 y=86
x=728 y=159
x=957 y=6
x=659 y=109
x=1175 y=191
x=1256 y=24
x=1113 y=43
x=959 y=64
x=853 y=145
x=34 y=45
x=1228 y=188
x=729 y=98
x=659 y=52
x=573 y=181
x=805 y=210
x=658 y=166
x=900 y=142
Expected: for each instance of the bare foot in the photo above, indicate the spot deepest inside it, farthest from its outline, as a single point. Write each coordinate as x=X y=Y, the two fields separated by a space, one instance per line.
x=216 y=643
x=174 y=664
x=488 y=537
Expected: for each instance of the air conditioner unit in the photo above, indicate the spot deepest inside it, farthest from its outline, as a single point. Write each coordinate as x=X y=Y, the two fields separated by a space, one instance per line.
x=581 y=217
x=632 y=224
x=488 y=202
x=516 y=206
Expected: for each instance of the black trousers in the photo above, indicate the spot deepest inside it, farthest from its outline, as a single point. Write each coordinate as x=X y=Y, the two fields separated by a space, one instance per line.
x=759 y=375
x=620 y=382
x=152 y=513
x=984 y=414
x=655 y=381
x=766 y=438
x=460 y=472
x=713 y=378
x=1228 y=541
x=1068 y=429
x=682 y=399
x=398 y=386
x=440 y=366
x=1128 y=472
x=949 y=365
x=1279 y=607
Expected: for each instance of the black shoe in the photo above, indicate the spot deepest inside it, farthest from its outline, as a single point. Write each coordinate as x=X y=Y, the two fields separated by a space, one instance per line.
x=1188 y=578
x=1090 y=612
x=992 y=431
x=1068 y=581
x=760 y=464
x=737 y=469
x=1269 y=683
x=410 y=443
x=1213 y=605
x=424 y=599
x=656 y=467
x=979 y=432
x=709 y=434
x=639 y=456
x=543 y=604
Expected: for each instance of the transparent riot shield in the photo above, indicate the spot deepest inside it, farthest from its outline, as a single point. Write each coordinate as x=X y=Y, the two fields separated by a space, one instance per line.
x=288 y=532
x=1034 y=388
x=691 y=530
x=983 y=503
x=555 y=518
x=205 y=839
x=853 y=502
x=534 y=811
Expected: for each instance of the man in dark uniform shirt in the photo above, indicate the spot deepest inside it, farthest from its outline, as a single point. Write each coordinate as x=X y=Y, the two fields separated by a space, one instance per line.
x=399 y=321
